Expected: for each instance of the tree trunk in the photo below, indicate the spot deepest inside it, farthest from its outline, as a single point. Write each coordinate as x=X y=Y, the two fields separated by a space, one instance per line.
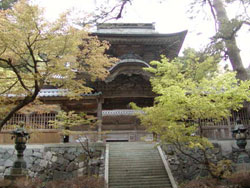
x=24 y=102
x=229 y=39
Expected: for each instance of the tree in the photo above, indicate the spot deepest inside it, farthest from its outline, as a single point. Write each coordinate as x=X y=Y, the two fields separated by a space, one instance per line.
x=227 y=32
x=35 y=53
x=107 y=13
x=191 y=89
x=5 y=4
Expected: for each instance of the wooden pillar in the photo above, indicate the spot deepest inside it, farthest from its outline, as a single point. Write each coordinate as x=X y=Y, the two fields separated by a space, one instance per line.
x=229 y=128
x=27 y=120
x=99 y=118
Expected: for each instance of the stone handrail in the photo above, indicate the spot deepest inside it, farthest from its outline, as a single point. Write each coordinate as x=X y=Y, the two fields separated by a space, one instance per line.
x=106 y=172
x=168 y=170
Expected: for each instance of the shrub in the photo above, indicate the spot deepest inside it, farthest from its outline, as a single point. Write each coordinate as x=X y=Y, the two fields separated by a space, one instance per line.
x=203 y=183
x=241 y=178
x=79 y=182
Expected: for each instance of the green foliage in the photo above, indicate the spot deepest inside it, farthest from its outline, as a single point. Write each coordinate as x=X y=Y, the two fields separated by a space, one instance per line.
x=35 y=52
x=67 y=120
x=5 y=4
x=190 y=89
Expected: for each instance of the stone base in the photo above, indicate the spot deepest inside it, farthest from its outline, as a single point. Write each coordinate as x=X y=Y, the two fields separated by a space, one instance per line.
x=14 y=177
x=5 y=183
x=18 y=172
x=10 y=180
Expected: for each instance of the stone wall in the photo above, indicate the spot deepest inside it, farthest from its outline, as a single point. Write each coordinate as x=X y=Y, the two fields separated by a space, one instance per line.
x=55 y=161
x=185 y=168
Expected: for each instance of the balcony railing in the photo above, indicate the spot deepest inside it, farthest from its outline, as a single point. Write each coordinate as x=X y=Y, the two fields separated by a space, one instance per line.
x=122 y=112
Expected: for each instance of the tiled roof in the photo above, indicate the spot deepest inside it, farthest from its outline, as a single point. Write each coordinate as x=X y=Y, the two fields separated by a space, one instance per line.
x=61 y=93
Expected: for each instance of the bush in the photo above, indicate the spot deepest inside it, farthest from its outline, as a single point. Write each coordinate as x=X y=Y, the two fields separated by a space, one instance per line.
x=241 y=178
x=203 y=183
x=79 y=182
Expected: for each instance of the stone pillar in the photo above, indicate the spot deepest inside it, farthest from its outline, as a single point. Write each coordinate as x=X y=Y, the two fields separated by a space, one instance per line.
x=18 y=170
x=99 y=118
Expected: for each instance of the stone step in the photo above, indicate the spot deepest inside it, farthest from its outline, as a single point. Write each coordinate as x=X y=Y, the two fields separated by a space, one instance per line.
x=141 y=157
x=142 y=186
x=137 y=168
x=127 y=183
x=152 y=166
x=144 y=155
x=161 y=176
x=132 y=174
x=136 y=165
x=133 y=154
x=139 y=177
x=131 y=159
x=133 y=162
x=133 y=151
x=127 y=153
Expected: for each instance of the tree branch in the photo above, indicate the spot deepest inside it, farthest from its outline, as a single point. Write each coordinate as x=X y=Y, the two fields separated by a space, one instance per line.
x=4 y=60
x=178 y=147
x=121 y=9
x=36 y=37
x=105 y=14
x=3 y=51
x=36 y=72
x=28 y=99
x=9 y=88
x=18 y=75
x=213 y=14
x=246 y=22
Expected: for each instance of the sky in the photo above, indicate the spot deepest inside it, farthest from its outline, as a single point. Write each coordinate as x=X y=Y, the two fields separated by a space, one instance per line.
x=169 y=16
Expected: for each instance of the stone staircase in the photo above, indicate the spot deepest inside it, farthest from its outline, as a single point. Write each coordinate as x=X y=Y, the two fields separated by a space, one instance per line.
x=136 y=165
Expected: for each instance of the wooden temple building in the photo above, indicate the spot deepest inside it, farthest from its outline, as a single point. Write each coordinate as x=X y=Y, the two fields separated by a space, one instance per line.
x=135 y=45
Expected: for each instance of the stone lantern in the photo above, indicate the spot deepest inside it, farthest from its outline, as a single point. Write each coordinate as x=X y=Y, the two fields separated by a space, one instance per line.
x=240 y=134
x=19 y=167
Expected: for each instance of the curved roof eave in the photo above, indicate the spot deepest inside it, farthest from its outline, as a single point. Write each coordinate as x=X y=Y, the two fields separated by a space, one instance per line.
x=124 y=61
x=181 y=33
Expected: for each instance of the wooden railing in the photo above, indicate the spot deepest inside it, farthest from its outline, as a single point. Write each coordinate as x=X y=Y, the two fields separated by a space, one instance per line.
x=223 y=129
x=210 y=128
x=31 y=121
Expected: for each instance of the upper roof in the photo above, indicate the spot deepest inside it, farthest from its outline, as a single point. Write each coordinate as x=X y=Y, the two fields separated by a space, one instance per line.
x=141 y=34
x=126 y=28
x=131 y=29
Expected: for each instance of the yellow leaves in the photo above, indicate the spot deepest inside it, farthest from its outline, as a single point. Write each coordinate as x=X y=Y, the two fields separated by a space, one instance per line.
x=195 y=145
x=222 y=169
x=35 y=52
x=35 y=45
x=39 y=108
